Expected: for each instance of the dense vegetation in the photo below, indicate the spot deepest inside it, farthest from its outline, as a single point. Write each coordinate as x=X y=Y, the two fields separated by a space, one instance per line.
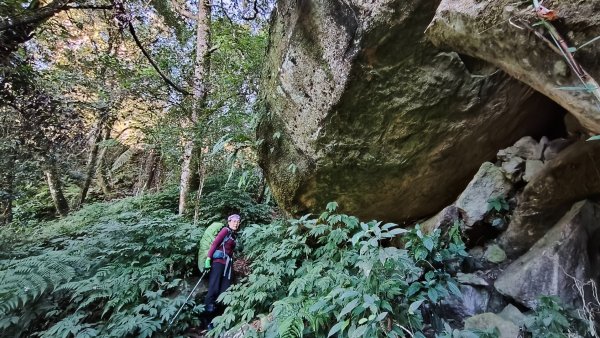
x=108 y=270
x=124 y=268
x=126 y=128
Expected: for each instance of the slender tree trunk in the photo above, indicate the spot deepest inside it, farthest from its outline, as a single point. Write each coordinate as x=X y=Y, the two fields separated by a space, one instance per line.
x=262 y=189
x=101 y=174
x=150 y=170
x=201 y=178
x=7 y=186
x=186 y=176
x=201 y=71
x=55 y=187
x=90 y=169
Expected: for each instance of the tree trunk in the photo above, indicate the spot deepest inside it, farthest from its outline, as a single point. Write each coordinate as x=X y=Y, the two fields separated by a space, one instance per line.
x=150 y=170
x=186 y=176
x=101 y=174
x=201 y=178
x=55 y=187
x=90 y=169
x=262 y=189
x=201 y=71
x=7 y=187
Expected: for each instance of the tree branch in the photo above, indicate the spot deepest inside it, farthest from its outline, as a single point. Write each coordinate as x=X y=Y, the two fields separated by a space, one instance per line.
x=154 y=65
x=183 y=12
x=94 y=7
x=45 y=13
x=255 y=9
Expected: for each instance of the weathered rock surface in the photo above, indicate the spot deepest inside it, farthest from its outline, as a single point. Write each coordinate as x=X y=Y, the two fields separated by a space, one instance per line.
x=513 y=169
x=532 y=168
x=363 y=110
x=474 y=300
x=489 y=183
x=563 y=252
x=572 y=175
x=554 y=147
x=495 y=254
x=471 y=279
x=442 y=219
x=526 y=148
x=501 y=32
x=512 y=314
x=486 y=321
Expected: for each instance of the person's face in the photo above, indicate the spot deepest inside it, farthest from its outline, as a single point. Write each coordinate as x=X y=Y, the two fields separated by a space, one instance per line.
x=234 y=224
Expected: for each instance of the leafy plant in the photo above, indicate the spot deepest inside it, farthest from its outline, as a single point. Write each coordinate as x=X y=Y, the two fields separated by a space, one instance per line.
x=333 y=275
x=551 y=320
x=111 y=269
x=498 y=204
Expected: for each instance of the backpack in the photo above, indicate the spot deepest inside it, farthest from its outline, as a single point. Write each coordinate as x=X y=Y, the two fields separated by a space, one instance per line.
x=206 y=241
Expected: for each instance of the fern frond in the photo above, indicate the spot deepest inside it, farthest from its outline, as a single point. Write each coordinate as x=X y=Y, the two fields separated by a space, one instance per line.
x=122 y=159
x=291 y=327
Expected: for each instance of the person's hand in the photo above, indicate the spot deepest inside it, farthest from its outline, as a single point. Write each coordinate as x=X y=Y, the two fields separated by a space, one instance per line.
x=207 y=263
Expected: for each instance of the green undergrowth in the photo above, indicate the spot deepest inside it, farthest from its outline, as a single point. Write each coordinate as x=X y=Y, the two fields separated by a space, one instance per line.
x=119 y=269
x=123 y=269
x=333 y=275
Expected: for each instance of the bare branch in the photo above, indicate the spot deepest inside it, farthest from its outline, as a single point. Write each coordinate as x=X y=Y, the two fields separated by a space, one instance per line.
x=93 y=7
x=153 y=63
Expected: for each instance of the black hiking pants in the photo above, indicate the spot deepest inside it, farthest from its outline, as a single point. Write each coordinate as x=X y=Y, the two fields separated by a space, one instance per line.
x=218 y=282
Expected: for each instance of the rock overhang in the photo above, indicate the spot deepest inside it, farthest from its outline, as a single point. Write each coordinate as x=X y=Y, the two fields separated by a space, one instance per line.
x=394 y=127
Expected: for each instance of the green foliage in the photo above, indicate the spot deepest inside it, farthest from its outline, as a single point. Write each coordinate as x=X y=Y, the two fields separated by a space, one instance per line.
x=333 y=275
x=551 y=320
x=111 y=270
x=498 y=204
x=222 y=199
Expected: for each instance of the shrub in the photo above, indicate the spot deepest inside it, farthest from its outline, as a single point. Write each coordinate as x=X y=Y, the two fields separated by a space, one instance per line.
x=110 y=269
x=333 y=275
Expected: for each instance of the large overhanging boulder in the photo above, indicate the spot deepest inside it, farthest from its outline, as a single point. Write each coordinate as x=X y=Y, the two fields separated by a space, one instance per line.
x=360 y=108
x=505 y=33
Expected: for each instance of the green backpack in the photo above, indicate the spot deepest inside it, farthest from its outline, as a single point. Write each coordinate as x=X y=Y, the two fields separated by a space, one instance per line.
x=207 y=238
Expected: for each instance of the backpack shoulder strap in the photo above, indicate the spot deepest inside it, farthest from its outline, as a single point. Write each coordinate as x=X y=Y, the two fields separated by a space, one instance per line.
x=227 y=237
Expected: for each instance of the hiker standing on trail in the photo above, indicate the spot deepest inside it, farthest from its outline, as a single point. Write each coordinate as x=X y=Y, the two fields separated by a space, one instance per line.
x=219 y=260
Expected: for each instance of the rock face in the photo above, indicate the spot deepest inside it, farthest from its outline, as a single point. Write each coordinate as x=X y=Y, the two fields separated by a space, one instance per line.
x=563 y=252
x=489 y=183
x=475 y=300
x=360 y=108
x=570 y=176
x=488 y=320
x=502 y=32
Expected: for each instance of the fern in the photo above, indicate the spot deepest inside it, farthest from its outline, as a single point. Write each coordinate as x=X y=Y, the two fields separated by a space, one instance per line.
x=110 y=269
x=70 y=325
x=334 y=274
x=291 y=327
x=122 y=159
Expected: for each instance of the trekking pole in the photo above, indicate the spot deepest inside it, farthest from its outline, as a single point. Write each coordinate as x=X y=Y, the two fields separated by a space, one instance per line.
x=188 y=298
